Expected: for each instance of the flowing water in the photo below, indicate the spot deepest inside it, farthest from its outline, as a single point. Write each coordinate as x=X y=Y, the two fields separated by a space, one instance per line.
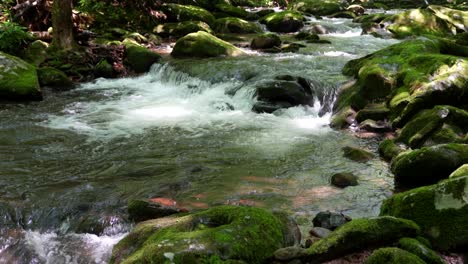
x=185 y=131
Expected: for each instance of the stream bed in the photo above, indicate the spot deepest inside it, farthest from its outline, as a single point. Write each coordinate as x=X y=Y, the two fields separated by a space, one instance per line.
x=184 y=131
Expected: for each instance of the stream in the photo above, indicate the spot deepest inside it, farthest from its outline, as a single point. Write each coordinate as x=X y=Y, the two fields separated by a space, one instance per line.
x=185 y=131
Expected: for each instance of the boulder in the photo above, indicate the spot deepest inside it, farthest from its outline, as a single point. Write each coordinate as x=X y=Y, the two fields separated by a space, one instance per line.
x=104 y=69
x=202 y=44
x=36 y=53
x=460 y=172
x=232 y=11
x=419 y=249
x=52 y=77
x=181 y=29
x=428 y=165
x=319 y=232
x=303 y=35
x=375 y=126
x=179 y=13
x=139 y=58
x=141 y=210
x=374 y=112
x=393 y=255
x=343 y=180
x=357 y=154
x=285 y=21
x=440 y=210
x=235 y=25
x=284 y=91
x=388 y=149
x=317 y=7
x=266 y=41
x=330 y=220
x=224 y=233
x=18 y=79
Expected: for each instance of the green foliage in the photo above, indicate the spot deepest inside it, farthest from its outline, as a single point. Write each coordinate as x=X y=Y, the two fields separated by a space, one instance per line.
x=13 y=37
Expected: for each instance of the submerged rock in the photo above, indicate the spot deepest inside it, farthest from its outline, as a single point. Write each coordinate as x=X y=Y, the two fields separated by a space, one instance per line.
x=220 y=233
x=140 y=210
x=18 y=79
x=393 y=255
x=440 y=210
x=285 y=21
x=202 y=44
x=343 y=180
x=357 y=154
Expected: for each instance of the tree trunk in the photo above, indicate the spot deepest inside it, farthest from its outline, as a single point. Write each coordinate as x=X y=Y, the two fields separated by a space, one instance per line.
x=63 y=25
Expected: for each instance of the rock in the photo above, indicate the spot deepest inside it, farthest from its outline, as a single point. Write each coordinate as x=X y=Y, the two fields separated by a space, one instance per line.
x=310 y=241
x=317 y=7
x=285 y=91
x=344 y=14
x=388 y=149
x=417 y=248
x=104 y=69
x=265 y=12
x=374 y=112
x=180 y=13
x=285 y=21
x=318 y=29
x=357 y=154
x=330 y=220
x=343 y=180
x=202 y=44
x=375 y=126
x=460 y=172
x=181 y=29
x=319 y=232
x=221 y=233
x=303 y=35
x=291 y=47
x=289 y=253
x=232 y=11
x=235 y=25
x=356 y=9
x=52 y=77
x=360 y=234
x=140 y=210
x=266 y=41
x=18 y=79
x=440 y=210
x=139 y=38
x=320 y=41
x=139 y=58
x=428 y=165
x=453 y=17
x=36 y=53
x=393 y=255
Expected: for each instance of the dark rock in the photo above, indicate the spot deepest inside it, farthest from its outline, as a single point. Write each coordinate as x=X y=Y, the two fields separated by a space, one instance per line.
x=330 y=220
x=139 y=58
x=266 y=41
x=303 y=35
x=290 y=253
x=374 y=112
x=393 y=256
x=140 y=210
x=375 y=126
x=52 y=77
x=265 y=12
x=412 y=245
x=388 y=149
x=285 y=21
x=202 y=44
x=319 y=232
x=310 y=241
x=357 y=154
x=104 y=69
x=343 y=180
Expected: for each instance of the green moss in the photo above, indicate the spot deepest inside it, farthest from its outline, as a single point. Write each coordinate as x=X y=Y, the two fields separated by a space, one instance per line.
x=18 y=79
x=236 y=233
x=285 y=21
x=357 y=154
x=341 y=119
x=316 y=7
x=202 y=44
x=440 y=210
x=360 y=234
x=460 y=172
x=235 y=25
x=140 y=58
x=36 y=53
x=103 y=69
x=393 y=256
x=49 y=76
x=374 y=112
x=422 y=251
x=179 y=13
x=265 y=41
x=388 y=149
x=181 y=29
x=232 y=11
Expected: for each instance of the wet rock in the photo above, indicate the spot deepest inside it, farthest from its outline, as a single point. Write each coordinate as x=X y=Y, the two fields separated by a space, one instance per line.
x=374 y=112
x=375 y=126
x=317 y=7
x=180 y=13
x=265 y=12
x=291 y=47
x=36 y=53
x=139 y=58
x=266 y=41
x=303 y=35
x=440 y=210
x=290 y=253
x=343 y=180
x=319 y=232
x=49 y=76
x=320 y=41
x=232 y=11
x=140 y=210
x=356 y=9
x=417 y=248
x=428 y=165
x=18 y=79
x=460 y=172
x=393 y=255
x=357 y=154
x=235 y=25
x=181 y=29
x=218 y=234
x=318 y=29
x=202 y=44
x=330 y=220
x=285 y=21
x=104 y=69
x=344 y=14
x=388 y=149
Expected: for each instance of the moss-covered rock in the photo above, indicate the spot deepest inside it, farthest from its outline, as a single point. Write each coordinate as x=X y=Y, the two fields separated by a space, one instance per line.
x=266 y=41
x=317 y=7
x=36 y=53
x=139 y=58
x=393 y=255
x=454 y=17
x=460 y=172
x=428 y=165
x=202 y=44
x=374 y=112
x=413 y=245
x=388 y=149
x=360 y=234
x=226 y=233
x=232 y=11
x=104 y=69
x=285 y=21
x=49 y=76
x=179 y=13
x=440 y=210
x=18 y=79
x=235 y=25
x=181 y=29
x=357 y=154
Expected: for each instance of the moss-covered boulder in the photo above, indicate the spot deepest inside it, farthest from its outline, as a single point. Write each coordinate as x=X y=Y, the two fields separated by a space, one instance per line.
x=179 y=13
x=419 y=249
x=232 y=11
x=428 y=165
x=104 y=69
x=440 y=210
x=388 y=149
x=181 y=29
x=461 y=171
x=36 y=53
x=374 y=112
x=18 y=79
x=393 y=255
x=266 y=41
x=235 y=25
x=220 y=233
x=140 y=58
x=49 y=76
x=285 y=21
x=441 y=124
x=357 y=154
x=453 y=17
x=360 y=234
x=317 y=7
x=202 y=44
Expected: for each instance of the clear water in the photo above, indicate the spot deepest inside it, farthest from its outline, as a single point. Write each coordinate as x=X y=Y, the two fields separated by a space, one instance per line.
x=183 y=131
